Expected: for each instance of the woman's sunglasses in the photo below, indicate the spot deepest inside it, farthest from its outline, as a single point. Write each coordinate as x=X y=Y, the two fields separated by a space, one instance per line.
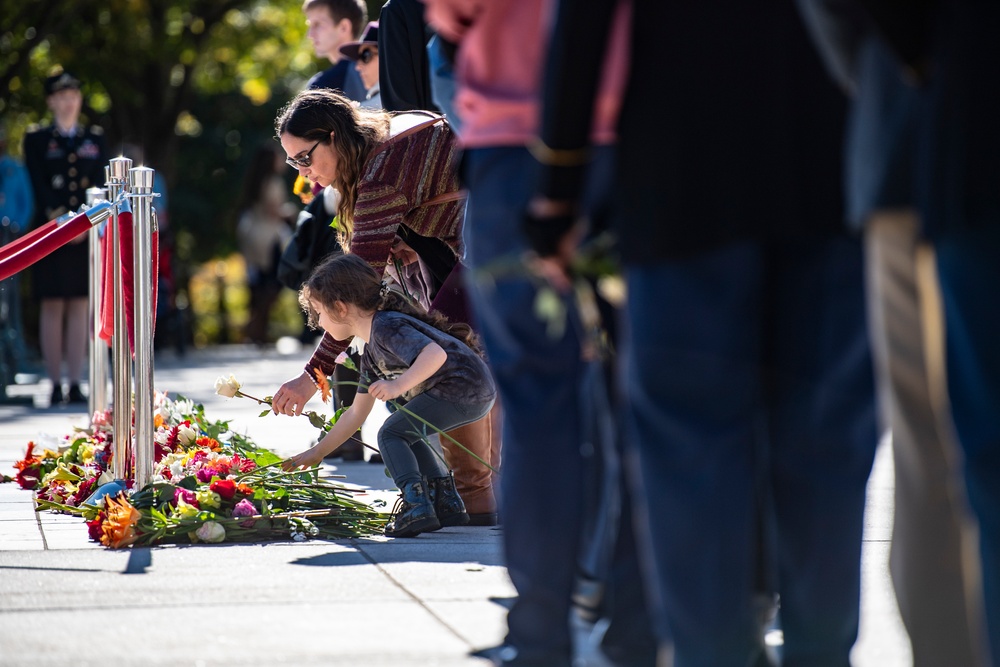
x=367 y=55
x=304 y=161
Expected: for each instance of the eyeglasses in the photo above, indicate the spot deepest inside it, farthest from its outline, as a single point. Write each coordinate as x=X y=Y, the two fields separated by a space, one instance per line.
x=367 y=55
x=304 y=161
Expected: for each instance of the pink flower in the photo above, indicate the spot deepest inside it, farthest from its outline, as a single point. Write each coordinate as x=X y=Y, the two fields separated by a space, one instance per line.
x=185 y=495
x=245 y=508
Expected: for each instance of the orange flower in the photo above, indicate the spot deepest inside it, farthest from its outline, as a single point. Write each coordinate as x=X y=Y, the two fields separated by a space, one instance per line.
x=244 y=488
x=323 y=384
x=208 y=443
x=157 y=420
x=118 y=529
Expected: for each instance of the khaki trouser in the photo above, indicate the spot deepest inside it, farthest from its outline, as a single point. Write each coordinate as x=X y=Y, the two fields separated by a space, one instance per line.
x=933 y=565
x=474 y=481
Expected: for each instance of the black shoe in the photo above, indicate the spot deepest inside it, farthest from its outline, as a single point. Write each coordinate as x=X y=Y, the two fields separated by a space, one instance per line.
x=57 y=395
x=448 y=504
x=414 y=512
x=484 y=519
x=75 y=395
x=353 y=449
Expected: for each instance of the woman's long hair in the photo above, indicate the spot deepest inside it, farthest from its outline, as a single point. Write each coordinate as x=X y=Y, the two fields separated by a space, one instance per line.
x=349 y=279
x=312 y=115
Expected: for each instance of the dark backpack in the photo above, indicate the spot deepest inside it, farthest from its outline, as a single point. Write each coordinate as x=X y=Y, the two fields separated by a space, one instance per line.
x=313 y=240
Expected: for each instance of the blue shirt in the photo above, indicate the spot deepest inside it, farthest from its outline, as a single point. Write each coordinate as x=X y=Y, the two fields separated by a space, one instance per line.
x=16 y=200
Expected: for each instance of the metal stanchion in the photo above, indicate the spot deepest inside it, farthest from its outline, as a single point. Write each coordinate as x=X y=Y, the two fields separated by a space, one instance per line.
x=141 y=187
x=98 y=400
x=122 y=390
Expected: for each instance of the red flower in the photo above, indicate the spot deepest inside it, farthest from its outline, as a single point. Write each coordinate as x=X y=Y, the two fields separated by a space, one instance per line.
x=226 y=488
x=29 y=469
x=94 y=527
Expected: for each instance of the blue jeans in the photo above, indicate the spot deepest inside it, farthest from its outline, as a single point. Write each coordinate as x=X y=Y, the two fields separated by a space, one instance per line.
x=540 y=375
x=408 y=445
x=969 y=275
x=748 y=368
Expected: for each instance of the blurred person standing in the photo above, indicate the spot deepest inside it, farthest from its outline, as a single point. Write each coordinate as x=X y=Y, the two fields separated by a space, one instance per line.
x=364 y=55
x=404 y=70
x=16 y=208
x=63 y=160
x=333 y=23
x=546 y=377
x=928 y=561
x=263 y=231
x=747 y=374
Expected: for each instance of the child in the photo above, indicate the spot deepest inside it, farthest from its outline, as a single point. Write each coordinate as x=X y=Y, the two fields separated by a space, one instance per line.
x=416 y=356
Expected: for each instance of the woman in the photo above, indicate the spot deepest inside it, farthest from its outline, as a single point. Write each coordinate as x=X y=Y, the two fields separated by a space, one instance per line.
x=397 y=175
x=63 y=160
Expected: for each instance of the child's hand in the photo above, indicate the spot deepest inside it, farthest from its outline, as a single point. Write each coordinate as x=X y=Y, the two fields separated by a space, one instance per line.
x=385 y=390
x=307 y=459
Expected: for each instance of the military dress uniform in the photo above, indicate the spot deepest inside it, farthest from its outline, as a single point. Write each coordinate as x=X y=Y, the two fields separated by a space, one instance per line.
x=61 y=169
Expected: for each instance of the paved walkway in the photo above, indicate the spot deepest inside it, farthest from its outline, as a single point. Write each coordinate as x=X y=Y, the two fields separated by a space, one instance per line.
x=432 y=600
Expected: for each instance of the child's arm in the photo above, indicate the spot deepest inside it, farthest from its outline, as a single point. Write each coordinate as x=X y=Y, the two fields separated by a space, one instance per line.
x=427 y=363
x=346 y=426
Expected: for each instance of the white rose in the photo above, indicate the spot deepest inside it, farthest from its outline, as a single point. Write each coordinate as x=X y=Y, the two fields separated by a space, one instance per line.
x=186 y=435
x=227 y=388
x=211 y=532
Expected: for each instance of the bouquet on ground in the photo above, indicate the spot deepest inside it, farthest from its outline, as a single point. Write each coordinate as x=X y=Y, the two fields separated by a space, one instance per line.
x=209 y=484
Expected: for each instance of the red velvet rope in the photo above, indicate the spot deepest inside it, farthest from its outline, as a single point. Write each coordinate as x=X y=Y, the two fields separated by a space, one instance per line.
x=108 y=283
x=126 y=258
x=19 y=243
x=42 y=245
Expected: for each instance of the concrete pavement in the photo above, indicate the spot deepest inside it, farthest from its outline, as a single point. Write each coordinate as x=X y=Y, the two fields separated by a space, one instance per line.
x=432 y=600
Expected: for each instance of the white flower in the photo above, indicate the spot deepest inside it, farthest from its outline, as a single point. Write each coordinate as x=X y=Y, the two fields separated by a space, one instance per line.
x=211 y=532
x=227 y=388
x=186 y=435
x=106 y=476
x=180 y=410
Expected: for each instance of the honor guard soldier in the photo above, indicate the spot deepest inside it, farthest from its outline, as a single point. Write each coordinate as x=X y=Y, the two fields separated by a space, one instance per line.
x=63 y=160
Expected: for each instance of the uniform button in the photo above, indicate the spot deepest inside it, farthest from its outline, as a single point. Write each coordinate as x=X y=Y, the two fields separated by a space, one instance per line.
x=72 y=186
x=72 y=171
x=73 y=201
x=71 y=157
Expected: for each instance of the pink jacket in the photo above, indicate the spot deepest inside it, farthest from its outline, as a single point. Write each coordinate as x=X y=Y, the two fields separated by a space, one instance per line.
x=499 y=68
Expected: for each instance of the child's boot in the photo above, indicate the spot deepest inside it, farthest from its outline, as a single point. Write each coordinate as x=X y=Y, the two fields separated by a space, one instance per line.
x=414 y=512
x=448 y=504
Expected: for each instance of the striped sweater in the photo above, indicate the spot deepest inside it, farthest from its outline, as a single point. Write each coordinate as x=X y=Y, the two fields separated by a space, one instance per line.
x=411 y=179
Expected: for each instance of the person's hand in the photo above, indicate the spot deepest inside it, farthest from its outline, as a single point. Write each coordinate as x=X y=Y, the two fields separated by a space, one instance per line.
x=403 y=252
x=554 y=232
x=452 y=18
x=385 y=390
x=307 y=459
x=291 y=397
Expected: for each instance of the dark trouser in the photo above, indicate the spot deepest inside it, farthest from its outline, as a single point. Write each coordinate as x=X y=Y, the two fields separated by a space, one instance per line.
x=409 y=446
x=969 y=272
x=542 y=382
x=752 y=359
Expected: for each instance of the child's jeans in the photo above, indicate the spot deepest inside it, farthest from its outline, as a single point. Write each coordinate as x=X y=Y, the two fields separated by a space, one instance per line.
x=407 y=444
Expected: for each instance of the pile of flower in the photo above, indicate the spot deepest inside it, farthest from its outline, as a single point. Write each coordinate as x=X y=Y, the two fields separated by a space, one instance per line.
x=209 y=484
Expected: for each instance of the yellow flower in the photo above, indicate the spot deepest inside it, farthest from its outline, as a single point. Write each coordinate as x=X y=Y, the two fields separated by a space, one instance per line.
x=185 y=511
x=208 y=498
x=118 y=529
